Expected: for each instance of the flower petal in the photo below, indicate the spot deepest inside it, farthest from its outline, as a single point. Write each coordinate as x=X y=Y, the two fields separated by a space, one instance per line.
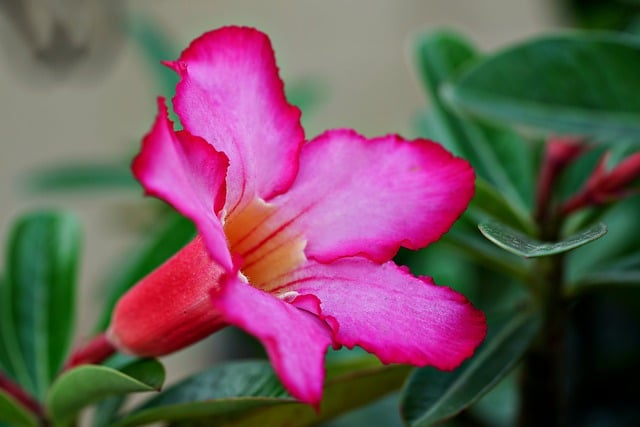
x=189 y=174
x=169 y=308
x=295 y=340
x=231 y=95
x=389 y=312
x=355 y=196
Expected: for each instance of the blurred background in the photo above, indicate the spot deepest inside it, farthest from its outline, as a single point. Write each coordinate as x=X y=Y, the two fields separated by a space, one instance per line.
x=78 y=81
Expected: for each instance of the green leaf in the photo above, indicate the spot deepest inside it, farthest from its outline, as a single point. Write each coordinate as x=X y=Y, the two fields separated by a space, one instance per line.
x=248 y=393
x=466 y=239
x=105 y=412
x=490 y=202
x=431 y=396
x=160 y=246
x=438 y=55
x=520 y=244
x=499 y=155
x=551 y=83
x=622 y=272
x=81 y=177
x=15 y=414
x=38 y=296
x=79 y=387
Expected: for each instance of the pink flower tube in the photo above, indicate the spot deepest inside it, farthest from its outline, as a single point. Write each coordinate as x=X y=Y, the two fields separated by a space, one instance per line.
x=295 y=237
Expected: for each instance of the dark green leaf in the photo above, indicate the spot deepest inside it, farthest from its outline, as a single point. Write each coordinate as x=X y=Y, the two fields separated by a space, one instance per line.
x=160 y=246
x=82 y=177
x=438 y=56
x=520 y=244
x=38 y=295
x=432 y=396
x=551 y=83
x=622 y=272
x=105 y=412
x=14 y=414
x=248 y=393
x=467 y=240
x=79 y=387
x=499 y=156
x=622 y=231
x=494 y=204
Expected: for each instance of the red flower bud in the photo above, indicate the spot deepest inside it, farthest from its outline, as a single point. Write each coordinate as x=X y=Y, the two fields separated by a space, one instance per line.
x=605 y=187
x=182 y=287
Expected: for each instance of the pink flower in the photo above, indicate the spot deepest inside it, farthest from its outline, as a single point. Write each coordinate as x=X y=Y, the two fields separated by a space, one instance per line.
x=295 y=238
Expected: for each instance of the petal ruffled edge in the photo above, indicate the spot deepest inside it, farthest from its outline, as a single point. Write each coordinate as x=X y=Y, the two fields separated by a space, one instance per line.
x=389 y=312
x=189 y=174
x=230 y=93
x=295 y=340
x=368 y=197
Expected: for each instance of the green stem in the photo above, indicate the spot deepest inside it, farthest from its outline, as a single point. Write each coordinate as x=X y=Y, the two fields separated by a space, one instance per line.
x=543 y=402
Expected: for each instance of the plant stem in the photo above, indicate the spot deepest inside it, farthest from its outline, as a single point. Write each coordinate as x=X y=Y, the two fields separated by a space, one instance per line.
x=95 y=351
x=542 y=392
x=15 y=391
x=543 y=401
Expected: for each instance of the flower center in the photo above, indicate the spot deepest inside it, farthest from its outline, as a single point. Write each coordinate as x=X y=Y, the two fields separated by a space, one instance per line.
x=269 y=248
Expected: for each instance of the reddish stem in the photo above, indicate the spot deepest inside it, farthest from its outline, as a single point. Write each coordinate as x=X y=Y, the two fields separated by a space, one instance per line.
x=95 y=352
x=576 y=203
x=560 y=152
x=15 y=391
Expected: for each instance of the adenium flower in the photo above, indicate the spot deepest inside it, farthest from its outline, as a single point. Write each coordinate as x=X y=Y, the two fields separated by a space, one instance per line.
x=606 y=186
x=295 y=238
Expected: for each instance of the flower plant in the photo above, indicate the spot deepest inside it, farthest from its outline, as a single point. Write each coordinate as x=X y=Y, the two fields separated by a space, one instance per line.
x=316 y=245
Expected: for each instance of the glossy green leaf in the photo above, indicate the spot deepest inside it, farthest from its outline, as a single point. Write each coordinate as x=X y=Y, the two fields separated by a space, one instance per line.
x=248 y=394
x=14 y=414
x=432 y=396
x=79 y=387
x=551 y=83
x=81 y=177
x=520 y=244
x=498 y=155
x=38 y=296
x=159 y=246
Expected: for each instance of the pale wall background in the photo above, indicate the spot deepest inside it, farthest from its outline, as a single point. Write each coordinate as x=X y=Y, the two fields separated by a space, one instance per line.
x=356 y=49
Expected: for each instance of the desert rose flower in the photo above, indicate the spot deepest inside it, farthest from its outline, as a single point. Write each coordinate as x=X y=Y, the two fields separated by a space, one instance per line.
x=295 y=237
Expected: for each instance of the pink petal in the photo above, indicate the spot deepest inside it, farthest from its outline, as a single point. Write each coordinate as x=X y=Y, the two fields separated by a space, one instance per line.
x=170 y=308
x=389 y=312
x=189 y=174
x=295 y=340
x=355 y=196
x=231 y=95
